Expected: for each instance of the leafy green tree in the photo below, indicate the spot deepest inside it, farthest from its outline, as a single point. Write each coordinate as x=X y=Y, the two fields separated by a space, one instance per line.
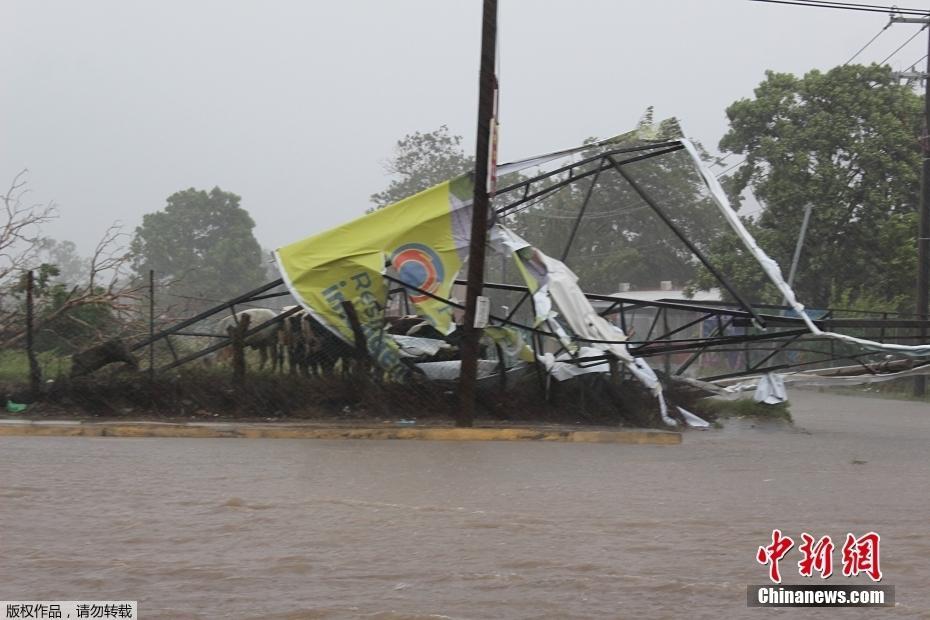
x=420 y=161
x=202 y=243
x=847 y=143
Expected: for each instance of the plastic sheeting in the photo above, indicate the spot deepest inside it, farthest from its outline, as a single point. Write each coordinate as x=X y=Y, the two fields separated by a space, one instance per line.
x=450 y=370
x=552 y=279
x=411 y=346
x=692 y=420
x=772 y=270
x=562 y=368
x=770 y=390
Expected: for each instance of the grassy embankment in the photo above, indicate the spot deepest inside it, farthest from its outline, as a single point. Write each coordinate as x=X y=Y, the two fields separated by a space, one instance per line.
x=719 y=409
x=14 y=366
x=197 y=391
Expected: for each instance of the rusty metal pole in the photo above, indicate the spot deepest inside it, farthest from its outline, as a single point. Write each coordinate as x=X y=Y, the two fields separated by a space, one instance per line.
x=479 y=223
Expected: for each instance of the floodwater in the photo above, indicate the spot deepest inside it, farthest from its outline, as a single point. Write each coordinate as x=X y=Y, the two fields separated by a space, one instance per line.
x=231 y=528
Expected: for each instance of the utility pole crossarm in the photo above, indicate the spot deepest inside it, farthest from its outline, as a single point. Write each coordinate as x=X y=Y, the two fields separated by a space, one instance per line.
x=910 y=75
x=897 y=19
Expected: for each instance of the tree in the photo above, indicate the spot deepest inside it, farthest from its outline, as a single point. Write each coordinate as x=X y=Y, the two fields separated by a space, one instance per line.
x=847 y=143
x=619 y=237
x=21 y=230
x=203 y=243
x=420 y=161
x=97 y=296
x=71 y=267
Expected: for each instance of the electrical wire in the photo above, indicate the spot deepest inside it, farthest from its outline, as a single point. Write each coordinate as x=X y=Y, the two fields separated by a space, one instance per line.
x=871 y=8
x=913 y=65
x=853 y=57
x=871 y=41
x=860 y=4
x=736 y=165
x=900 y=47
x=589 y=216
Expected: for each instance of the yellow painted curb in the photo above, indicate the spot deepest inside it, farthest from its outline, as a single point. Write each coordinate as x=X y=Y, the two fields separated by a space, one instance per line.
x=120 y=429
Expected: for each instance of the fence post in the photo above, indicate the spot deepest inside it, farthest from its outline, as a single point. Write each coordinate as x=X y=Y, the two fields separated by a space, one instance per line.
x=363 y=381
x=151 y=324
x=667 y=361
x=361 y=347
x=35 y=373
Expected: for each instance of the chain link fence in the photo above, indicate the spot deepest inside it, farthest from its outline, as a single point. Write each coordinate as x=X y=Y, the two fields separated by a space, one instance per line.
x=259 y=357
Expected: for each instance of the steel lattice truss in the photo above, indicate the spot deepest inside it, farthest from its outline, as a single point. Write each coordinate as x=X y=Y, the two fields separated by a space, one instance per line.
x=708 y=341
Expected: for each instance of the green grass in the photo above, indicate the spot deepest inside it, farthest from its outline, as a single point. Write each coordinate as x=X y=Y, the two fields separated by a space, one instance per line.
x=14 y=365
x=744 y=408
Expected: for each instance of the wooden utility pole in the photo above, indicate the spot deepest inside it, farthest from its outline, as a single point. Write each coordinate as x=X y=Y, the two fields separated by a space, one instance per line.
x=479 y=224
x=923 y=233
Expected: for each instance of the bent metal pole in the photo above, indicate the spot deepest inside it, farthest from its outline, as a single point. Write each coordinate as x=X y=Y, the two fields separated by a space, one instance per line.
x=479 y=224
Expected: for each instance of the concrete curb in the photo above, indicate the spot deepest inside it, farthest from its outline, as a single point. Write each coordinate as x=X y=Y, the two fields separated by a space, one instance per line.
x=27 y=428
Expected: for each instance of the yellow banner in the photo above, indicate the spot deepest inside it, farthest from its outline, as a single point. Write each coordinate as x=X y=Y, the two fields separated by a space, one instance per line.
x=422 y=240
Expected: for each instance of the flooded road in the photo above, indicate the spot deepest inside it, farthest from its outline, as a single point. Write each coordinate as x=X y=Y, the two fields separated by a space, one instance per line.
x=210 y=528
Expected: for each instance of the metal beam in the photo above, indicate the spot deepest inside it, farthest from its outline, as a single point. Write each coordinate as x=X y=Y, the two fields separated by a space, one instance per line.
x=226 y=340
x=506 y=209
x=207 y=313
x=581 y=212
x=684 y=239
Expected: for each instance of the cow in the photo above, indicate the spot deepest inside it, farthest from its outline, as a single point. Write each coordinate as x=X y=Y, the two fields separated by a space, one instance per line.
x=265 y=340
x=295 y=341
x=311 y=348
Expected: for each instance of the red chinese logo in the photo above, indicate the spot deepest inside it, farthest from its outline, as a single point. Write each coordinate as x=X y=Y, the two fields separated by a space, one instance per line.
x=773 y=553
x=817 y=556
x=860 y=555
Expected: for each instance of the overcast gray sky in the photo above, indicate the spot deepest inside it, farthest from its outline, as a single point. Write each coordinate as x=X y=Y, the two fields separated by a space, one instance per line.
x=294 y=105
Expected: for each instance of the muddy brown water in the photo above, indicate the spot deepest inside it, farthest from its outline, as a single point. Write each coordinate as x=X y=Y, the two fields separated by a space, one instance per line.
x=211 y=528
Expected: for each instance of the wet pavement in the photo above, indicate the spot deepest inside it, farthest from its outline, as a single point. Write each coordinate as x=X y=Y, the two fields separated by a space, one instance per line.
x=280 y=528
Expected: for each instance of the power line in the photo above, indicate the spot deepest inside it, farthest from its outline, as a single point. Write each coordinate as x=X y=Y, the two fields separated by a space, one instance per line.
x=914 y=64
x=853 y=57
x=871 y=41
x=900 y=47
x=849 y=7
x=860 y=4
x=736 y=165
x=874 y=8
